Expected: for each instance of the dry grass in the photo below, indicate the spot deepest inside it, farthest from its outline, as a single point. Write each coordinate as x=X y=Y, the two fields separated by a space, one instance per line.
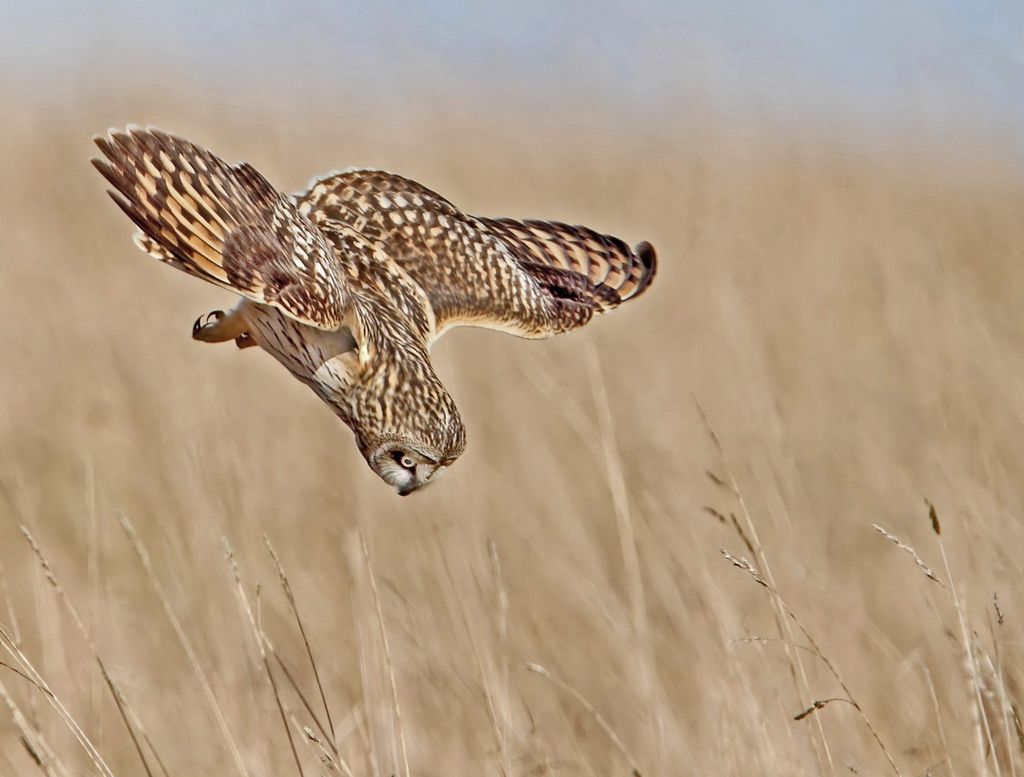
x=849 y=322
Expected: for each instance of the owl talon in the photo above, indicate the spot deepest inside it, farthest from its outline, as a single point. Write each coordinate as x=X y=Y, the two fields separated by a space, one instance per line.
x=218 y=327
x=203 y=322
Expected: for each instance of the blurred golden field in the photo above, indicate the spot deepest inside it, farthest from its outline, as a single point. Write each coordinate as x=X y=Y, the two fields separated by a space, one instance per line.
x=849 y=320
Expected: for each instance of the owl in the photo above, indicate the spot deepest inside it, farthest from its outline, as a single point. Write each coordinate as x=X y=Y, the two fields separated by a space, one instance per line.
x=349 y=283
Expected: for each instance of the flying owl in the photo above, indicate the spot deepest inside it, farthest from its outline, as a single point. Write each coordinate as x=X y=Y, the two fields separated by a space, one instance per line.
x=349 y=283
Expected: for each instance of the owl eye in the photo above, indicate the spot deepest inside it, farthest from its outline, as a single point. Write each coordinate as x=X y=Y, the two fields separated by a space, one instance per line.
x=403 y=460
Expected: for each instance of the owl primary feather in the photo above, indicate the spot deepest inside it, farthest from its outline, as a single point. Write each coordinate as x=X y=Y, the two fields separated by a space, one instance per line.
x=349 y=283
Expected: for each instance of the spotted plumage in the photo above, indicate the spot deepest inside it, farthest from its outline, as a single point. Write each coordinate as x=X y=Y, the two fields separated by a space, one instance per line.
x=348 y=283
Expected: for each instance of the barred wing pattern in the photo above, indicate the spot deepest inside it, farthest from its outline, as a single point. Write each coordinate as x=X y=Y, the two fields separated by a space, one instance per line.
x=532 y=279
x=224 y=224
x=606 y=262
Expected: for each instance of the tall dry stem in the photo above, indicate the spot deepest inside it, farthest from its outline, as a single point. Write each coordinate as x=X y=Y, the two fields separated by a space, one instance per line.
x=186 y=645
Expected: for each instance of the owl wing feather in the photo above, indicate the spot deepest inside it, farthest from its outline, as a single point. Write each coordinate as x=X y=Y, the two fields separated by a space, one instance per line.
x=529 y=278
x=225 y=224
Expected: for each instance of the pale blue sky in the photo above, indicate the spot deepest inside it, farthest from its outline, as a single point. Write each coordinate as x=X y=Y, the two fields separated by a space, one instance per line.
x=907 y=66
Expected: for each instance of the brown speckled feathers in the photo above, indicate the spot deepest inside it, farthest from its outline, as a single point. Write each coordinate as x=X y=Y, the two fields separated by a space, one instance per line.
x=224 y=224
x=529 y=278
x=349 y=283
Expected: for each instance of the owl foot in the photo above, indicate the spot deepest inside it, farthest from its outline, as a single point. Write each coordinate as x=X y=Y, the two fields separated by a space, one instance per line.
x=205 y=323
x=219 y=327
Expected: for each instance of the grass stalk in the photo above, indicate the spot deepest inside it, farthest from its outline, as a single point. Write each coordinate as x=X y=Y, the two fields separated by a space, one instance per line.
x=186 y=645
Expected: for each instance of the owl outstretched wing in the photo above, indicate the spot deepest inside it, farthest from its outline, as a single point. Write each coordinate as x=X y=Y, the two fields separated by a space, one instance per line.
x=529 y=278
x=225 y=224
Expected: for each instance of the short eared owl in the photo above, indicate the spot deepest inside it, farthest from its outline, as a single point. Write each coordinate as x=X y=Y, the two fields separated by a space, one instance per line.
x=350 y=282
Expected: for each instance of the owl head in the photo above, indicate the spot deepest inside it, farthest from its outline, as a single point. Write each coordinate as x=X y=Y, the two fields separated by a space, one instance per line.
x=406 y=464
x=406 y=424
